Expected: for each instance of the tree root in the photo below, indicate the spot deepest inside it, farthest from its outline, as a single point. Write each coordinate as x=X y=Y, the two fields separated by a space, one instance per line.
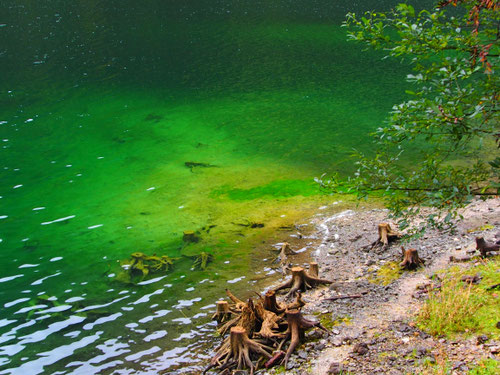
x=301 y=281
x=411 y=260
x=297 y=325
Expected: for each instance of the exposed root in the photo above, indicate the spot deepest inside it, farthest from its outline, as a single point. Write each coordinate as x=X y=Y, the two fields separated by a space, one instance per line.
x=297 y=325
x=298 y=303
x=301 y=281
x=269 y=323
x=238 y=303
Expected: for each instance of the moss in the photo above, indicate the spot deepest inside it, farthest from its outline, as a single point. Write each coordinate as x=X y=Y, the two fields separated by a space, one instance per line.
x=387 y=274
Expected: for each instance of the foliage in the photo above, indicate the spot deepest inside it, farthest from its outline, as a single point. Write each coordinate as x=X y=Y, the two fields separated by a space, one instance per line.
x=439 y=148
x=461 y=307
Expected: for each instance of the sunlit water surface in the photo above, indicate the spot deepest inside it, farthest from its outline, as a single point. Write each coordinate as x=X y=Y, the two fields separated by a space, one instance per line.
x=102 y=104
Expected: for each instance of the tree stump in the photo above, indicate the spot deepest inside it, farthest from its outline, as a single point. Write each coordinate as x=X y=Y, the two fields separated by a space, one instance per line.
x=301 y=281
x=237 y=351
x=270 y=322
x=190 y=236
x=411 y=260
x=285 y=251
x=314 y=269
x=386 y=235
x=271 y=304
x=485 y=247
x=297 y=325
x=222 y=313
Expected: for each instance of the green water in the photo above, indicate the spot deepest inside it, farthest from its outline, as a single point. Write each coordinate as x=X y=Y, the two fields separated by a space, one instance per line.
x=102 y=104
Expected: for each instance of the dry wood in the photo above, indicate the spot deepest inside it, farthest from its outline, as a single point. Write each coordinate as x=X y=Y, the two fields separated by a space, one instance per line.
x=301 y=281
x=269 y=323
x=238 y=304
x=411 y=260
x=298 y=303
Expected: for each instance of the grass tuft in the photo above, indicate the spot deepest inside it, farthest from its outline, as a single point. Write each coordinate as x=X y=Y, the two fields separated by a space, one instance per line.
x=460 y=307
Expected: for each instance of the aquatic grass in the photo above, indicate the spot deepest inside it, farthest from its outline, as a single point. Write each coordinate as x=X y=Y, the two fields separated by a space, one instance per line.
x=464 y=308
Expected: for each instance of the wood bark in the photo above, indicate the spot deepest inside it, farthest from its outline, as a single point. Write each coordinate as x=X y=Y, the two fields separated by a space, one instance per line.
x=222 y=314
x=271 y=304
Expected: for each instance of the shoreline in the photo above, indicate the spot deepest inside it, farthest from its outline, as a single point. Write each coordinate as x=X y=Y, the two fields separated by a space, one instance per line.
x=381 y=321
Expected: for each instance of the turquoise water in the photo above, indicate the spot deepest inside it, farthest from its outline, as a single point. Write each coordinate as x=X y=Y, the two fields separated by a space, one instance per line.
x=104 y=105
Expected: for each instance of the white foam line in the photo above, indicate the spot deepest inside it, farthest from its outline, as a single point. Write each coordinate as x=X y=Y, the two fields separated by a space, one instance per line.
x=95 y=226
x=58 y=220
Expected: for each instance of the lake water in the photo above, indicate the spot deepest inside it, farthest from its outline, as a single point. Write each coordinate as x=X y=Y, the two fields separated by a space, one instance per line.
x=124 y=124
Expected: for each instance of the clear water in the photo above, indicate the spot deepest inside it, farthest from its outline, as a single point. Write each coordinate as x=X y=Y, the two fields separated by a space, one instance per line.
x=102 y=103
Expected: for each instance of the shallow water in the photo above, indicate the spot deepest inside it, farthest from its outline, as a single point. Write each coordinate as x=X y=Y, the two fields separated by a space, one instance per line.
x=106 y=107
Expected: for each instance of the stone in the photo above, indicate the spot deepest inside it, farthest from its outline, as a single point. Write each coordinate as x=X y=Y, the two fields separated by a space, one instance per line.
x=335 y=368
x=360 y=348
x=482 y=339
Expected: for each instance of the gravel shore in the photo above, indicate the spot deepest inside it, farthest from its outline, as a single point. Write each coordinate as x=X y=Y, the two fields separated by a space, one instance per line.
x=375 y=334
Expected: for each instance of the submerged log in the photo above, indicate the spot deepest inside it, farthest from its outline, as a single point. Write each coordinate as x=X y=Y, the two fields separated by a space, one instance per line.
x=301 y=281
x=411 y=260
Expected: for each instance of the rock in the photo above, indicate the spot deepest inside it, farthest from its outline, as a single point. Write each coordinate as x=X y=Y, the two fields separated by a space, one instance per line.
x=360 y=348
x=498 y=324
x=481 y=339
x=291 y=364
x=302 y=354
x=335 y=368
x=495 y=349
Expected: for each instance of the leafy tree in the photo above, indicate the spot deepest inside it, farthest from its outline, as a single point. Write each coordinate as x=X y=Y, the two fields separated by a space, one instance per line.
x=440 y=148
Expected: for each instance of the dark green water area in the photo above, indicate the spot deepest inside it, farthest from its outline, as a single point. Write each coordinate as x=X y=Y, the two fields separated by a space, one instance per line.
x=124 y=124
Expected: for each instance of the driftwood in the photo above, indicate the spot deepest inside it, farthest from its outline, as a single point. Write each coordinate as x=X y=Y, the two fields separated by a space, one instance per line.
x=411 y=260
x=386 y=235
x=301 y=281
x=485 y=247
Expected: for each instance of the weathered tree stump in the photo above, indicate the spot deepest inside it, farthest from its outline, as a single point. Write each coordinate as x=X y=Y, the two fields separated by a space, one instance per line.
x=485 y=247
x=297 y=326
x=271 y=304
x=285 y=251
x=222 y=314
x=411 y=260
x=237 y=352
x=314 y=269
x=386 y=235
x=301 y=281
